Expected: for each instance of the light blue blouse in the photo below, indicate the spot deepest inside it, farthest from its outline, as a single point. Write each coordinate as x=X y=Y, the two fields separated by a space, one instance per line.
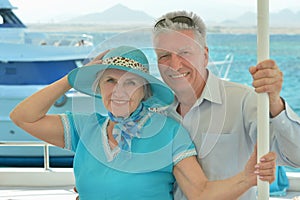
x=144 y=173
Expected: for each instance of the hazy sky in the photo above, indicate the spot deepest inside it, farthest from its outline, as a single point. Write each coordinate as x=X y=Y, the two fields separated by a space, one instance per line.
x=51 y=10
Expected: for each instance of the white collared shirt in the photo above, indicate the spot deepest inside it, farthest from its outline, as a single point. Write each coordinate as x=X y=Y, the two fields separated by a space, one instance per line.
x=223 y=126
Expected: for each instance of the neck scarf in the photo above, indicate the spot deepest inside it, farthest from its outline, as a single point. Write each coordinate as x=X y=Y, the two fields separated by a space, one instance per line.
x=127 y=128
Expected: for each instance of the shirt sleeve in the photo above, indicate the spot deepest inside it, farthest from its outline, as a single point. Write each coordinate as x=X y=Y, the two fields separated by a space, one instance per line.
x=183 y=146
x=286 y=137
x=284 y=132
x=71 y=135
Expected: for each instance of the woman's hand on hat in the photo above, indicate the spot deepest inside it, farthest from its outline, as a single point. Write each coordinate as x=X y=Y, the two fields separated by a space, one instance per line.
x=98 y=59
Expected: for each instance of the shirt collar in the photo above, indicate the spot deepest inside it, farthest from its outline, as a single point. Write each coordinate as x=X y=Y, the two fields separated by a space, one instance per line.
x=212 y=91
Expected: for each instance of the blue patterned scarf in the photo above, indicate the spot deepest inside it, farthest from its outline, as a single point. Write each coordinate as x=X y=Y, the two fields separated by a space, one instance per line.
x=127 y=128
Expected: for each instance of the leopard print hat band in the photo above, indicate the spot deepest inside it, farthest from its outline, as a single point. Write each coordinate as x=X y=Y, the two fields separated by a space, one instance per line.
x=125 y=62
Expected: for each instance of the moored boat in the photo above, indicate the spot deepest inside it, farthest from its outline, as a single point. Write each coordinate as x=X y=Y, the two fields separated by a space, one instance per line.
x=28 y=62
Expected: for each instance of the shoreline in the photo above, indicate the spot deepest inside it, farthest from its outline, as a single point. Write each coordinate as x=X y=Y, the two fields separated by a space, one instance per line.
x=122 y=27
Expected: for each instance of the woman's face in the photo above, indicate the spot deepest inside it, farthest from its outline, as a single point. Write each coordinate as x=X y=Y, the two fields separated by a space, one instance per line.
x=121 y=91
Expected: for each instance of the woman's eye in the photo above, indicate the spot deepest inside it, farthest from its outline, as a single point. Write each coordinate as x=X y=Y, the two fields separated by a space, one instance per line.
x=110 y=80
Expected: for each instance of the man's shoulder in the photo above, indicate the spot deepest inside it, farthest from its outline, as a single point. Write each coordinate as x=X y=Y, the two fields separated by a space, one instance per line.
x=216 y=83
x=230 y=85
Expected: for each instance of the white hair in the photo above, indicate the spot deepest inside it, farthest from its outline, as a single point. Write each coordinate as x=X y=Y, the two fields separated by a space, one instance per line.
x=165 y=23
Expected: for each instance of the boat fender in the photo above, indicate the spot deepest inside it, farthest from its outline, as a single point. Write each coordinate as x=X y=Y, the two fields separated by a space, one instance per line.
x=61 y=101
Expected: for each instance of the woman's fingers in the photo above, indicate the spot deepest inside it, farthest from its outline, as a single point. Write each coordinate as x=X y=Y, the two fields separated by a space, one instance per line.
x=97 y=59
x=266 y=169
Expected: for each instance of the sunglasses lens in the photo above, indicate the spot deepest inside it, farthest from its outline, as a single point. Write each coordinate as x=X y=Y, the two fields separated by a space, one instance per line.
x=184 y=20
x=177 y=19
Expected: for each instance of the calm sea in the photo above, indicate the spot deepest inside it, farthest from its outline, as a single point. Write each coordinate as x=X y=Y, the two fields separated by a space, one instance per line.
x=284 y=48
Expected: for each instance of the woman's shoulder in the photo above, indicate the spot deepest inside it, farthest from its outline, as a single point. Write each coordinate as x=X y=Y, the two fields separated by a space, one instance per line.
x=76 y=116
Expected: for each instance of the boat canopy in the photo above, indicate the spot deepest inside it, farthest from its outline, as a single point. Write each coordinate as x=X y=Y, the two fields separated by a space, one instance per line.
x=5 y=4
x=7 y=17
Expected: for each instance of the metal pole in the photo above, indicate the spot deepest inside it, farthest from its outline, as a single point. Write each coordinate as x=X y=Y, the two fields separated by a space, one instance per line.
x=46 y=157
x=263 y=99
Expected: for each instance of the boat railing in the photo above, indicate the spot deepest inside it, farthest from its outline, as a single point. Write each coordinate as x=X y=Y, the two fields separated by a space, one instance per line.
x=21 y=36
x=222 y=68
x=32 y=144
x=58 y=39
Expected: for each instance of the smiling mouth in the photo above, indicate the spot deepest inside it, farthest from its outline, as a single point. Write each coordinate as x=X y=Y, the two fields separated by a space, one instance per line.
x=179 y=75
x=119 y=101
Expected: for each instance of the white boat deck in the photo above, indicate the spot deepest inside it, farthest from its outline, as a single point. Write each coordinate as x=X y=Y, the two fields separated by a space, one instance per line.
x=290 y=195
x=37 y=193
x=36 y=183
x=58 y=183
x=67 y=193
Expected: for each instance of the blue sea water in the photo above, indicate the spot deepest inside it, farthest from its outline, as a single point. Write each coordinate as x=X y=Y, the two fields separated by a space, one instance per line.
x=284 y=49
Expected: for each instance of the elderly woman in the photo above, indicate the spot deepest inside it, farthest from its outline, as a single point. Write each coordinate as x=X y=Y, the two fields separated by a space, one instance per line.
x=132 y=152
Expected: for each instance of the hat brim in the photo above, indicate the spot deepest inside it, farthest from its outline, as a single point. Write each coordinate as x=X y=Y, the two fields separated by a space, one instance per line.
x=82 y=79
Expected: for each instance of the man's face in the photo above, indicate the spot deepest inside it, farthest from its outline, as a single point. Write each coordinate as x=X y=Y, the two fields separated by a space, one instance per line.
x=181 y=61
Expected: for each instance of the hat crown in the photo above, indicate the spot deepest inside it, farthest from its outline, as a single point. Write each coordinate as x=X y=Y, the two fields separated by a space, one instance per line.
x=130 y=53
x=124 y=58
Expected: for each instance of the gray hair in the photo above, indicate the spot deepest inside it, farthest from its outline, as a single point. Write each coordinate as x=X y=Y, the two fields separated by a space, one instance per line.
x=96 y=89
x=165 y=23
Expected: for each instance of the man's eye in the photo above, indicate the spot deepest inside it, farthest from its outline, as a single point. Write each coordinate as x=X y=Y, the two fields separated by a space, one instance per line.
x=184 y=53
x=163 y=56
x=130 y=83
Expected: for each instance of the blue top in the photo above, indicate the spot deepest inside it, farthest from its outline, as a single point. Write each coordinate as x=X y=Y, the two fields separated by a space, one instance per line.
x=144 y=173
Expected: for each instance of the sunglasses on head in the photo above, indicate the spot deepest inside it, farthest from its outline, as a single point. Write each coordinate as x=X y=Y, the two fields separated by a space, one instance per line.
x=177 y=19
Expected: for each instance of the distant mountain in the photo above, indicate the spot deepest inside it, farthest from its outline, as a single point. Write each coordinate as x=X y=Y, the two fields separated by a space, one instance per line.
x=286 y=18
x=118 y=14
x=283 y=18
x=122 y=15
